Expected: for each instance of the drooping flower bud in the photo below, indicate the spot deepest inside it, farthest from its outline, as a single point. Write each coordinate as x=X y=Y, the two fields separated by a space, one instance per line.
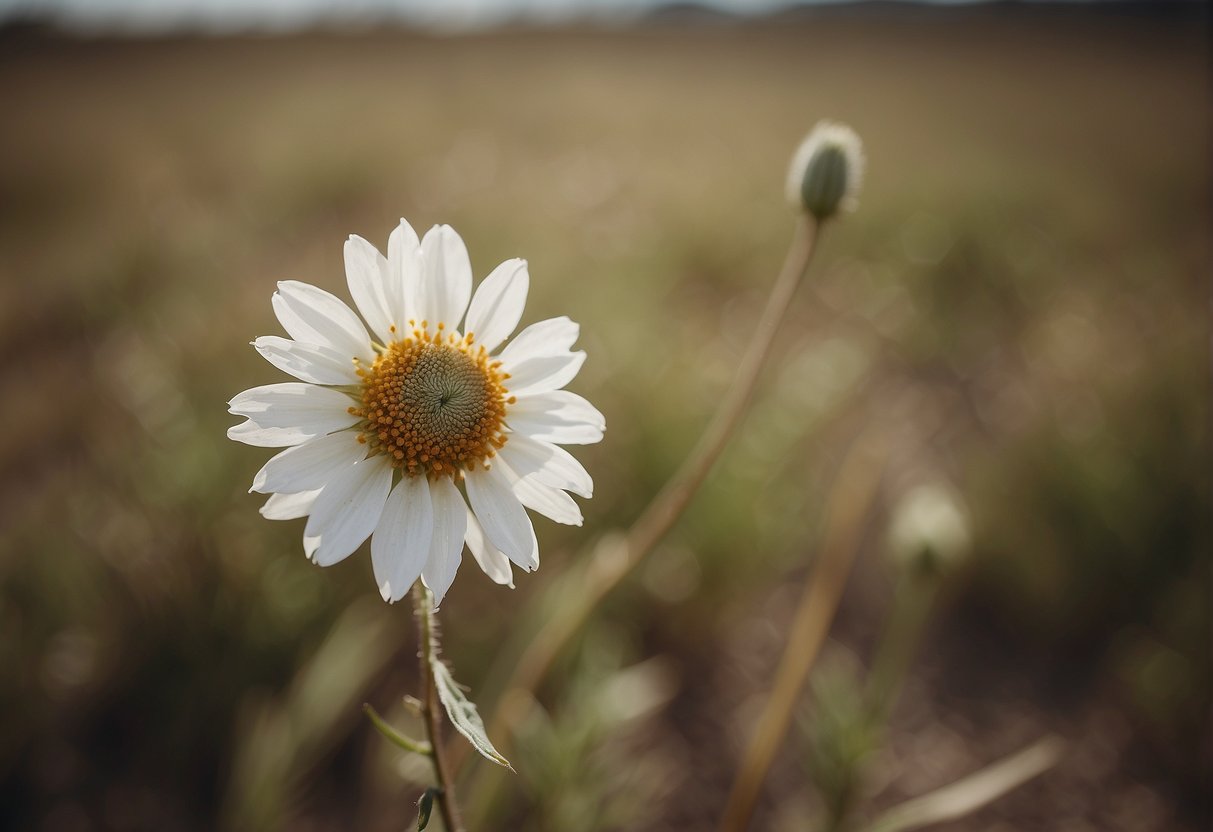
x=930 y=530
x=826 y=171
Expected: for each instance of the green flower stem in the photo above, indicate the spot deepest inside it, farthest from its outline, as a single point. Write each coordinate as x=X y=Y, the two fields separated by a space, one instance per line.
x=912 y=604
x=427 y=653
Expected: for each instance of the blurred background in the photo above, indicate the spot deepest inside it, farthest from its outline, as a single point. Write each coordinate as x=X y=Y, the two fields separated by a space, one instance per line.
x=1019 y=308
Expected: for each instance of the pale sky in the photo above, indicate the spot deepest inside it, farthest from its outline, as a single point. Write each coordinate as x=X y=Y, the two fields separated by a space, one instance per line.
x=224 y=15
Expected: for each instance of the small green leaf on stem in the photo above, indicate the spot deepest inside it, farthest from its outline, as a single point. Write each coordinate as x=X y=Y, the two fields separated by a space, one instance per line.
x=425 y=806
x=407 y=743
x=463 y=713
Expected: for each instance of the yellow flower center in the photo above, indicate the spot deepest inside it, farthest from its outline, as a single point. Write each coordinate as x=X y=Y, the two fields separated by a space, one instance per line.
x=434 y=404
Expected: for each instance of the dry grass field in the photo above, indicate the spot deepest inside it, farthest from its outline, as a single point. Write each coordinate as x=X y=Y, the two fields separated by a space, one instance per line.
x=1020 y=305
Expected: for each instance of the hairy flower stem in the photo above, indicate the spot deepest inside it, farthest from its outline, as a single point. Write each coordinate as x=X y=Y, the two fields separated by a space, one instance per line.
x=849 y=506
x=612 y=562
x=427 y=653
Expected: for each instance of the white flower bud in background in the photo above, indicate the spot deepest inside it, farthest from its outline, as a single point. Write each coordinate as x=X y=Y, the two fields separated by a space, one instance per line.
x=930 y=530
x=827 y=171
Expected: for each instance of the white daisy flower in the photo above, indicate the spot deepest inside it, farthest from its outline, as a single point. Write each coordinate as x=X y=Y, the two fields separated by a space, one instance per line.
x=421 y=429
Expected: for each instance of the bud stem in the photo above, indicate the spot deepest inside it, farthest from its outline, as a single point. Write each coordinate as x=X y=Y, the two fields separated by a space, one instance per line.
x=612 y=563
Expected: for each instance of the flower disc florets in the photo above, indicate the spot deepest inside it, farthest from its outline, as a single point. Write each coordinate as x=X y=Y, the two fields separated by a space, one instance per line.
x=434 y=404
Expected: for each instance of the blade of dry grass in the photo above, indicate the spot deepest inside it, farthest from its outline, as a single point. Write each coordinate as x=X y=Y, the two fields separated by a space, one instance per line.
x=971 y=793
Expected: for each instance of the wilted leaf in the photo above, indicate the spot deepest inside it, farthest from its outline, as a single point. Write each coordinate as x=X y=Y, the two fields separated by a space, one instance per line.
x=425 y=806
x=463 y=713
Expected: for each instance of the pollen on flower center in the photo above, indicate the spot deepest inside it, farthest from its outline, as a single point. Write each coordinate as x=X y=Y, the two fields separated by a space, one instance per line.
x=433 y=403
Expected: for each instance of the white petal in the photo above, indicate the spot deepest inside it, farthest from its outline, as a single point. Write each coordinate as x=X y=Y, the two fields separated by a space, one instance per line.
x=563 y=403
x=446 y=278
x=555 y=336
x=251 y=433
x=557 y=416
x=498 y=304
x=314 y=316
x=301 y=411
x=347 y=511
x=307 y=362
x=400 y=545
x=288 y=506
x=366 y=273
x=502 y=517
x=553 y=430
x=544 y=373
x=552 y=503
x=446 y=548
x=310 y=466
x=491 y=559
x=547 y=463
x=404 y=265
